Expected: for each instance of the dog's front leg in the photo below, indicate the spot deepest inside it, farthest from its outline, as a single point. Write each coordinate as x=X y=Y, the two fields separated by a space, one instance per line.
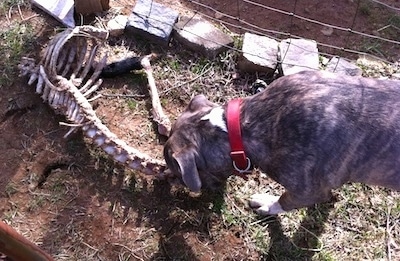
x=265 y=204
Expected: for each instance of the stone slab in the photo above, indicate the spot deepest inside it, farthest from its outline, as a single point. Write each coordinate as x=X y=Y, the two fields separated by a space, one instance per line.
x=298 y=55
x=116 y=26
x=259 y=54
x=342 y=66
x=152 y=20
x=201 y=36
x=62 y=10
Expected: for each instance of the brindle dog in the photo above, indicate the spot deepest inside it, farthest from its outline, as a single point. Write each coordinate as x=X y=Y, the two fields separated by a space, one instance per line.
x=311 y=132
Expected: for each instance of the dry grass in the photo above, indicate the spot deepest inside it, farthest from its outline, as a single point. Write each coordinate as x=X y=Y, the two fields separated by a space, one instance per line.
x=96 y=210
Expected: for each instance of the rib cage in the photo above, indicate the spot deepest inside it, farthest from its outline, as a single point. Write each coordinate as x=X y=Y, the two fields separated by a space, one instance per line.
x=65 y=80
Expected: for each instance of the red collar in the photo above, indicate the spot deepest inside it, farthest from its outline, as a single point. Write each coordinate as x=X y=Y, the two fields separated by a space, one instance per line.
x=241 y=163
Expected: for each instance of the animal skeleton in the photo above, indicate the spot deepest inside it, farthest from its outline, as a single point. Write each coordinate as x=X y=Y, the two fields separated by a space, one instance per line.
x=65 y=79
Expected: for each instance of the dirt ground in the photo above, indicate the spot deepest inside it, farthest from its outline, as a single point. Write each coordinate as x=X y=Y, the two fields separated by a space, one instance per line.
x=362 y=16
x=77 y=204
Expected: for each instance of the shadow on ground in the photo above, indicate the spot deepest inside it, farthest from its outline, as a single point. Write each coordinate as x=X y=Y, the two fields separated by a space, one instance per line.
x=304 y=244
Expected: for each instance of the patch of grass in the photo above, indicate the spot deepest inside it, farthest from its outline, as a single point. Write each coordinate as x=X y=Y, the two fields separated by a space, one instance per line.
x=395 y=20
x=174 y=64
x=137 y=79
x=375 y=68
x=236 y=216
x=36 y=203
x=10 y=214
x=5 y=5
x=394 y=27
x=11 y=189
x=374 y=47
x=355 y=227
x=15 y=40
x=132 y=104
x=365 y=8
x=200 y=65
x=238 y=41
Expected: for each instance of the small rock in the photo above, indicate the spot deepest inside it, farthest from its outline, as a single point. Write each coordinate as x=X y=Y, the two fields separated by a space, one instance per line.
x=152 y=20
x=218 y=15
x=202 y=36
x=260 y=54
x=116 y=26
x=324 y=60
x=376 y=33
x=63 y=11
x=327 y=30
x=298 y=55
x=342 y=66
x=395 y=76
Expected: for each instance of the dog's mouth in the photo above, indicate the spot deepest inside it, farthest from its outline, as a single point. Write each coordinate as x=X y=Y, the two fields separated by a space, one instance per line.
x=210 y=181
x=172 y=178
x=167 y=174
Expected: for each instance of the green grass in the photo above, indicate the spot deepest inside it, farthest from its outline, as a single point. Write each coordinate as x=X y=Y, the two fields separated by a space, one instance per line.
x=11 y=189
x=5 y=5
x=132 y=104
x=365 y=8
x=352 y=228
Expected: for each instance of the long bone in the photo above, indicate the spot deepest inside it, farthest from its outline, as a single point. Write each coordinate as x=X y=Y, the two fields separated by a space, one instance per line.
x=67 y=97
x=163 y=122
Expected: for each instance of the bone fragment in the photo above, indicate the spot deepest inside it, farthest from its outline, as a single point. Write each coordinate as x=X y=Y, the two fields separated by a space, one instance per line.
x=39 y=85
x=163 y=122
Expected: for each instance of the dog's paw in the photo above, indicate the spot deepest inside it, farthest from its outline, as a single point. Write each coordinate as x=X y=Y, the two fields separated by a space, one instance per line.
x=265 y=204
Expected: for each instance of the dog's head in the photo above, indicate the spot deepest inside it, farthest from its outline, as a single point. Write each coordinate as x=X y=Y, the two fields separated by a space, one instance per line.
x=197 y=150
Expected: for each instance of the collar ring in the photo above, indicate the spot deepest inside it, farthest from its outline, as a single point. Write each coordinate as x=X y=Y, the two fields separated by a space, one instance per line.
x=246 y=170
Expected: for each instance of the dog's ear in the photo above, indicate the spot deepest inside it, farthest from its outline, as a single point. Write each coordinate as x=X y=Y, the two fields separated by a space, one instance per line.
x=188 y=169
x=198 y=102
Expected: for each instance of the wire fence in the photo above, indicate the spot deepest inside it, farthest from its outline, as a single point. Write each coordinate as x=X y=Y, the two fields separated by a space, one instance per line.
x=344 y=28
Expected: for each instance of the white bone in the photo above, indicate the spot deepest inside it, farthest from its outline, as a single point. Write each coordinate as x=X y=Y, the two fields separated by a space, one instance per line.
x=134 y=164
x=75 y=113
x=46 y=91
x=71 y=108
x=99 y=140
x=91 y=133
x=66 y=100
x=51 y=95
x=121 y=157
x=71 y=130
x=61 y=98
x=71 y=57
x=89 y=62
x=39 y=85
x=32 y=78
x=81 y=56
x=109 y=149
x=93 y=88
